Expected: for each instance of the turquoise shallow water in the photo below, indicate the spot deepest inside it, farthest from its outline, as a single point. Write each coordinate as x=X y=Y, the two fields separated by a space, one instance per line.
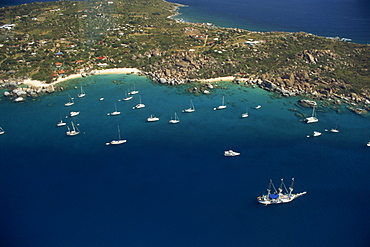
x=170 y=185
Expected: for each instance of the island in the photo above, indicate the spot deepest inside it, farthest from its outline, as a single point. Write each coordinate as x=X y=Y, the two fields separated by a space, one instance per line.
x=51 y=41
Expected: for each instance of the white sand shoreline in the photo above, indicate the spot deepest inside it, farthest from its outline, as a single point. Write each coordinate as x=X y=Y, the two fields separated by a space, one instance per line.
x=225 y=78
x=35 y=83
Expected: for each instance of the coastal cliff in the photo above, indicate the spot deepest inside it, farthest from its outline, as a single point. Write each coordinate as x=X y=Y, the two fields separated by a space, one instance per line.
x=46 y=41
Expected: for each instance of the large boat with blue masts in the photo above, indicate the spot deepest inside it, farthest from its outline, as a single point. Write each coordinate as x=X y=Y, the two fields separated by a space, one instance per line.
x=278 y=196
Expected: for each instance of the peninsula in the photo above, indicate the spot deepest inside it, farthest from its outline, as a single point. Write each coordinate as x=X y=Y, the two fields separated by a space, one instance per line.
x=50 y=41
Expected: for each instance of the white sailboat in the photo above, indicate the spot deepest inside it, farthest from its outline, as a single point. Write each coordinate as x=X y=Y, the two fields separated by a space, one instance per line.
x=278 y=196
x=61 y=123
x=175 y=120
x=335 y=130
x=82 y=94
x=115 y=113
x=127 y=97
x=118 y=141
x=1 y=131
x=134 y=91
x=246 y=113
x=368 y=144
x=220 y=107
x=313 y=118
x=191 y=109
x=140 y=105
x=152 y=119
x=74 y=131
x=70 y=102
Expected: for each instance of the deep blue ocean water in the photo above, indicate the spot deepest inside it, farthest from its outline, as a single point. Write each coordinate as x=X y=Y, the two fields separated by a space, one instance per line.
x=170 y=184
x=328 y=18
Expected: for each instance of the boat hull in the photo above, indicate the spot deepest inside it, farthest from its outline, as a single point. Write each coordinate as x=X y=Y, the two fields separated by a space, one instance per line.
x=283 y=198
x=188 y=110
x=311 y=120
x=117 y=142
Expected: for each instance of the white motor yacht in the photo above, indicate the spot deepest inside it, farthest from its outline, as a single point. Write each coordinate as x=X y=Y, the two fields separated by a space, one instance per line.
x=231 y=153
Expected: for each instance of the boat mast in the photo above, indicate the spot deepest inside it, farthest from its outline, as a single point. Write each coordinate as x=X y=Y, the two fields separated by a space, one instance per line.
x=313 y=112
x=275 y=191
x=269 y=188
x=291 y=186
x=281 y=186
x=119 y=133
x=286 y=190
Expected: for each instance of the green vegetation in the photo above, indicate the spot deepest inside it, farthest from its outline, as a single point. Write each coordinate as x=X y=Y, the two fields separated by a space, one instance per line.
x=54 y=39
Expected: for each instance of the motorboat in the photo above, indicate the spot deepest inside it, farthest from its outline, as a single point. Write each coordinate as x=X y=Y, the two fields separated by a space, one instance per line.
x=74 y=113
x=231 y=153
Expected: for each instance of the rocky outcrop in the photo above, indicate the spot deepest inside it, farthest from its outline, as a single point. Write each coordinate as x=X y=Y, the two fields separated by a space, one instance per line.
x=21 y=93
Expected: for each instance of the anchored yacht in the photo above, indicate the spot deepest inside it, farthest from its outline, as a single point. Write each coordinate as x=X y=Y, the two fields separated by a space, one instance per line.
x=279 y=196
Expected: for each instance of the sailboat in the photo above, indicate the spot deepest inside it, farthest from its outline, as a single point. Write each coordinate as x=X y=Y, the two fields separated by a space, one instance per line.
x=245 y=114
x=134 y=91
x=335 y=130
x=74 y=131
x=61 y=123
x=1 y=131
x=191 y=109
x=115 y=112
x=70 y=102
x=223 y=106
x=82 y=94
x=140 y=105
x=279 y=196
x=127 y=97
x=117 y=142
x=152 y=119
x=175 y=120
x=313 y=118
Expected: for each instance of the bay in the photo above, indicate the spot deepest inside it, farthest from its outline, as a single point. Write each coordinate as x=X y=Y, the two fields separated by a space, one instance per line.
x=170 y=184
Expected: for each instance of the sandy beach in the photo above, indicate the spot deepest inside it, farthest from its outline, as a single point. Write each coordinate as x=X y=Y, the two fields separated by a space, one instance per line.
x=35 y=83
x=226 y=78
